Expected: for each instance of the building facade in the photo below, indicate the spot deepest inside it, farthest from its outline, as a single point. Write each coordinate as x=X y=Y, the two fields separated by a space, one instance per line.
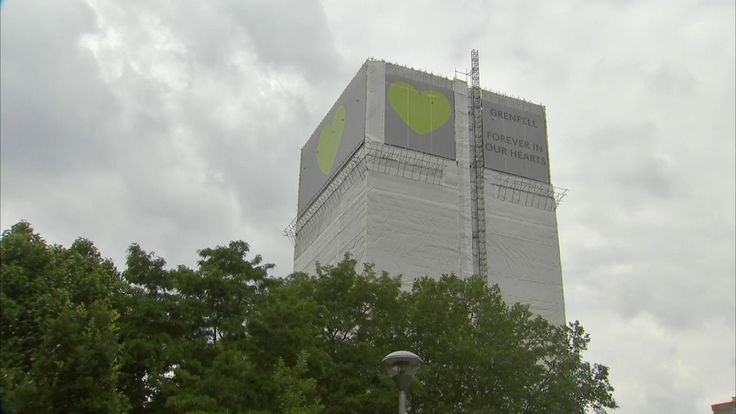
x=424 y=175
x=727 y=407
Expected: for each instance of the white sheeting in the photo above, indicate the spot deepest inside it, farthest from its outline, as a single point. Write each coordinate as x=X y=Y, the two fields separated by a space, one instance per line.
x=375 y=102
x=462 y=153
x=412 y=227
x=341 y=230
x=524 y=254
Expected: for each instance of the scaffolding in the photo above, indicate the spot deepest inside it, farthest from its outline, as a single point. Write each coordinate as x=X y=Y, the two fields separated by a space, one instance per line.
x=477 y=179
x=527 y=192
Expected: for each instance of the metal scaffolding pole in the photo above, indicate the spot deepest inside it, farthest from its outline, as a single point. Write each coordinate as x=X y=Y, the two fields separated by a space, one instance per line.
x=477 y=183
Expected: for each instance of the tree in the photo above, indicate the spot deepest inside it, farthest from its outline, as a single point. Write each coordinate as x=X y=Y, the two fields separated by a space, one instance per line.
x=486 y=357
x=480 y=355
x=223 y=289
x=215 y=302
x=77 y=336
x=151 y=330
x=58 y=327
x=344 y=321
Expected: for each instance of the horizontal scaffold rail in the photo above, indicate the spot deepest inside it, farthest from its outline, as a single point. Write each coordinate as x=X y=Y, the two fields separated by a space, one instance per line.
x=530 y=193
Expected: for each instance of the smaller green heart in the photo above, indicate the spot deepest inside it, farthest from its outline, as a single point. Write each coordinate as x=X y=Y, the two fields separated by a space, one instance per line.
x=329 y=141
x=425 y=112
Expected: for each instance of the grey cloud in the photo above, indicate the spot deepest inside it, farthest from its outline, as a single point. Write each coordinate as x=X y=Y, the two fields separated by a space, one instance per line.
x=300 y=38
x=281 y=34
x=54 y=105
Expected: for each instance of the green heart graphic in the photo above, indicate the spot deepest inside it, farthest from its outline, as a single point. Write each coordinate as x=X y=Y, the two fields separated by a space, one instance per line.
x=423 y=112
x=329 y=141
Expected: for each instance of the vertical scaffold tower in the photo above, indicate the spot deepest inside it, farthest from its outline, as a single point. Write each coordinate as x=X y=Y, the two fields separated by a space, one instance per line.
x=480 y=261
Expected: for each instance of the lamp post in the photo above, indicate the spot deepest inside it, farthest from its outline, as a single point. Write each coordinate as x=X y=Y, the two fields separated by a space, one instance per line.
x=401 y=366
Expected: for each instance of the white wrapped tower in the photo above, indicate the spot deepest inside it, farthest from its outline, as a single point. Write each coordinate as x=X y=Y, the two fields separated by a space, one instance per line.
x=388 y=176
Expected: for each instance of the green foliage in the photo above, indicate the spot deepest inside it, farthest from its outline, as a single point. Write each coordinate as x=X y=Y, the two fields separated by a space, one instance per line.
x=228 y=385
x=151 y=328
x=345 y=321
x=222 y=291
x=183 y=331
x=483 y=356
x=224 y=337
x=296 y=393
x=78 y=374
x=58 y=326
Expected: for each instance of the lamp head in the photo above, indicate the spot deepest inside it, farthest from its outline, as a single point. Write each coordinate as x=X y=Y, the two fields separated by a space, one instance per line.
x=401 y=366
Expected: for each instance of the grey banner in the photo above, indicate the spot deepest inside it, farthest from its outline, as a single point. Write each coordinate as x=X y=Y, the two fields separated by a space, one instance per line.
x=420 y=112
x=515 y=137
x=337 y=136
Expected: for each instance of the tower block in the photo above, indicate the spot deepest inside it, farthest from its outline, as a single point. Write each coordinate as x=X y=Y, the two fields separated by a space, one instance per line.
x=388 y=176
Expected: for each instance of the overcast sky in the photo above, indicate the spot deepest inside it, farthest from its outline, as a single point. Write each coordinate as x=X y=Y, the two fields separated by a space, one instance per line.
x=178 y=125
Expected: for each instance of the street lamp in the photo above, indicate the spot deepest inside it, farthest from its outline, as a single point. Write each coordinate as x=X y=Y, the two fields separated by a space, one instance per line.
x=401 y=366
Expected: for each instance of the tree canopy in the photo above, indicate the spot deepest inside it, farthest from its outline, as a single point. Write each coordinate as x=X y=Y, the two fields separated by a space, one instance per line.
x=226 y=337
